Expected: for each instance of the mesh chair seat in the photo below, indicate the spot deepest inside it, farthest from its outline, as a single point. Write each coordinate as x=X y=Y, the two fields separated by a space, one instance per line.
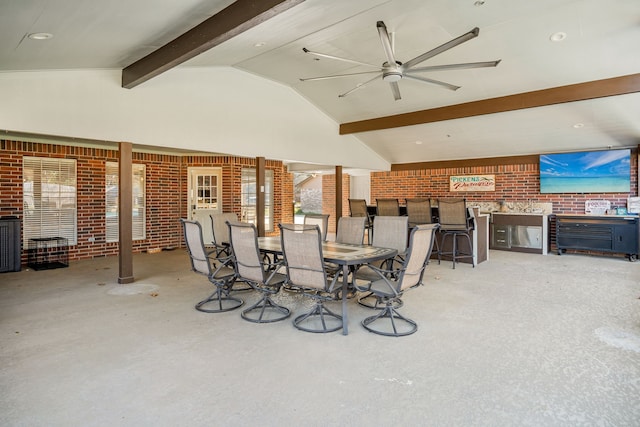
x=222 y=276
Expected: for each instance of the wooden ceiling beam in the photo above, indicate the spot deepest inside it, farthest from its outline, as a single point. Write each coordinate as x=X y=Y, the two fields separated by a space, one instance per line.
x=229 y=22
x=538 y=98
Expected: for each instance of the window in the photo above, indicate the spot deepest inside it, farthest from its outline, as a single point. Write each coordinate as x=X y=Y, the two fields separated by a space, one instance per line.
x=49 y=198
x=248 y=196
x=111 y=202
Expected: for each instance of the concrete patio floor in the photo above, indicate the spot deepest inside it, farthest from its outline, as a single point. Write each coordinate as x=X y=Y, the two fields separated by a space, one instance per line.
x=521 y=340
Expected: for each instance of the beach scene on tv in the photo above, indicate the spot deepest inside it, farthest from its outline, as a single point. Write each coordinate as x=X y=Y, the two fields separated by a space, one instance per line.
x=586 y=172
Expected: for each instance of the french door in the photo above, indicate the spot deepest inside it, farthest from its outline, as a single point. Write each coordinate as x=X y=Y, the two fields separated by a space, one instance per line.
x=205 y=197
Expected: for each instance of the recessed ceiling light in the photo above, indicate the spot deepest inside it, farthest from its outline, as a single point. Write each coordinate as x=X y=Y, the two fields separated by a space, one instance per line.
x=558 y=37
x=40 y=36
x=260 y=44
x=418 y=142
x=578 y=125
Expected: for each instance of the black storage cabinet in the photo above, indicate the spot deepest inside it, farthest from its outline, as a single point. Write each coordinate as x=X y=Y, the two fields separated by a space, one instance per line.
x=617 y=234
x=10 y=248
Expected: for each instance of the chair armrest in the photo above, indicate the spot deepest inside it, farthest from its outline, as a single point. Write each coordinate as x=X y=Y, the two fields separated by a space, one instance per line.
x=222 y=262
x=383 y=275
x=273 y=267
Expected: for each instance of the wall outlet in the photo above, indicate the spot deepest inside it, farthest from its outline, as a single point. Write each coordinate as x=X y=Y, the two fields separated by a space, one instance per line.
x=92 y=239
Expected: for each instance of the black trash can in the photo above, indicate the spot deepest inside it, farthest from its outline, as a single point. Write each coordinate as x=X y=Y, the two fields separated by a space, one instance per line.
x=9 y=244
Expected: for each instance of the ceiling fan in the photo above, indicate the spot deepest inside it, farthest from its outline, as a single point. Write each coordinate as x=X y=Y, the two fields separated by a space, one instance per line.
x=392 y=70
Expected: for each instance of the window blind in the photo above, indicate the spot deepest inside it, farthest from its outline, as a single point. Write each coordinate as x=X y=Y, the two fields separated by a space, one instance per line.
x=49 y=195
x=111 y=202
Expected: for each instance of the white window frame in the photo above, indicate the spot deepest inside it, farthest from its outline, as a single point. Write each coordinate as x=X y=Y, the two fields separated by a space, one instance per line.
x=139 y=217
x=248 y=197
x=50 y=198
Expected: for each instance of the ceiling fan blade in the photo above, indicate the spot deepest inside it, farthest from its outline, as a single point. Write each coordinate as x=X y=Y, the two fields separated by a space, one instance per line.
x=310 y=79
x=359 y=86
x=396 y=90
x=337 y=58
x=386 y=43
x=435 y=82
x=456 y=66
x=442 y=48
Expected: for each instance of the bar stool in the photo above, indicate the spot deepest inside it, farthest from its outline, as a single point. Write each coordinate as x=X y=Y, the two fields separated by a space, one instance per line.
x=454 y=222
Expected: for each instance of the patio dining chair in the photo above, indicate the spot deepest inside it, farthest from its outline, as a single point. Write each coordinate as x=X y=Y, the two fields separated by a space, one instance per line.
x=263 y=277
x=351 y=230
x=221 y=242
x=358 y=208
x=387 y=207
x=390 y=285
x=321 y=220
x=221 y=231
x=222 y=275
x=302 y=252
x=388 y=232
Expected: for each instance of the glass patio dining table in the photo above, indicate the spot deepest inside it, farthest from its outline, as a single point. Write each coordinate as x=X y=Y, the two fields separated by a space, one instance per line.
x=342 y=254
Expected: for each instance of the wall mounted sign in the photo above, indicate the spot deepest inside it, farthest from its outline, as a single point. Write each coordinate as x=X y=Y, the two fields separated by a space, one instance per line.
x=596 y=207
x=472 y=183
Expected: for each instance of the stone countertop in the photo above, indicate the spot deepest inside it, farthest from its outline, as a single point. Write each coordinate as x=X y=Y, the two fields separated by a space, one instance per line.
x=525 y=207
x=520 y=213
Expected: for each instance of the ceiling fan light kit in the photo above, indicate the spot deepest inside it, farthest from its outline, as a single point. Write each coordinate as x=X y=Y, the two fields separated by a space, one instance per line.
x=392 y=70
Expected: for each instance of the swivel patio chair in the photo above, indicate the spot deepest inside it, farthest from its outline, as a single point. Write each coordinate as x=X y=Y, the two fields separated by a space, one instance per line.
x=321 y=220
x=387 y=207
x=220 y=232
x=302 y=252
x=390 y=285
x=351 y=230
x=263 y=277
x=388 y=232
x=358 y=208
x=222 y=276
x=455 y=222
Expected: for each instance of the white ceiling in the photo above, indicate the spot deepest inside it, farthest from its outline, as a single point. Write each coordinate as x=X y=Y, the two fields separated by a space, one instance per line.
x=602 y=42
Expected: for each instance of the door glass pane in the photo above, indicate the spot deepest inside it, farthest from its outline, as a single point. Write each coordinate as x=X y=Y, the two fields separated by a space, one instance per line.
x=207 y=191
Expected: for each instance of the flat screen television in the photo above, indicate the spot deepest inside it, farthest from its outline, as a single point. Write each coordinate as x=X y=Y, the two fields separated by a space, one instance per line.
x=586 y=172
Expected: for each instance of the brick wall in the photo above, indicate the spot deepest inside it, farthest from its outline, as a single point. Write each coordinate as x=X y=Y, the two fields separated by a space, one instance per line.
x=166 y=191
x=514 y=183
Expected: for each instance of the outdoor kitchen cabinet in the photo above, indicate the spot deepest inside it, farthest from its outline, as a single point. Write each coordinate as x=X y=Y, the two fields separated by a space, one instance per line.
x=615 y=234
x=519 y=232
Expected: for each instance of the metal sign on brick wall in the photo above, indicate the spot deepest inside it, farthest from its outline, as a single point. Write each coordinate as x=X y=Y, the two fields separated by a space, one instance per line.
x=472 y=183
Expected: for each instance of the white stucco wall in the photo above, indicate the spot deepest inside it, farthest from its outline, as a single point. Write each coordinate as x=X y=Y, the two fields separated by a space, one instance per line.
x=219 y=110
